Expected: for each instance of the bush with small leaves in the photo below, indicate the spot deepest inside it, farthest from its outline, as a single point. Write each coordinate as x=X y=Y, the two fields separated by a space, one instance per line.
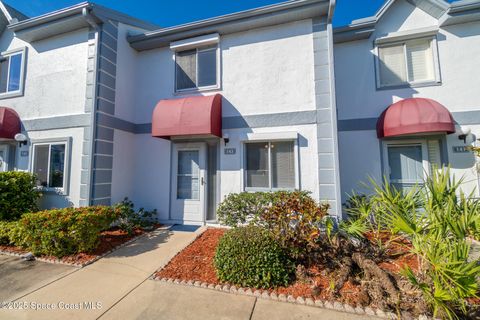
x=18 y=194
x=250 y=257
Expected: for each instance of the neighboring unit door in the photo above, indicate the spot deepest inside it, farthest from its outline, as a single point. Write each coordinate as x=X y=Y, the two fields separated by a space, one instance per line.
x=3 y=158
x=407 y=165
x=188 y=182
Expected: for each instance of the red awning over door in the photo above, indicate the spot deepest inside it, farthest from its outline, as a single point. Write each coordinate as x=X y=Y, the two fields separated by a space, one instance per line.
x=9 y=123
x=415 y=116
x=190 y=116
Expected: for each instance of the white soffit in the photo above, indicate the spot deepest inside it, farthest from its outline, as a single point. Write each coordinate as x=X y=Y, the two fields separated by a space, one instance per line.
x=267 y=136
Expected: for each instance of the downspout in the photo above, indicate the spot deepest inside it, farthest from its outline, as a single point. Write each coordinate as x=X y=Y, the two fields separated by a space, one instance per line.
x=87 y=15
x=331 y=10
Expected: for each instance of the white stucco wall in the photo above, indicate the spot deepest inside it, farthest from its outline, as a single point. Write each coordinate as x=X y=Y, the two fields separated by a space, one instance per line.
x=357 y=96
x=56 y=71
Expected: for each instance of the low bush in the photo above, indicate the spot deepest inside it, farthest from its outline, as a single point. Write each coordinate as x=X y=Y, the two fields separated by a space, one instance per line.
x=239 y=208
x=250 y=257
x=129 y=219
x=61 y=232
x=6 y=229
x=18 y=194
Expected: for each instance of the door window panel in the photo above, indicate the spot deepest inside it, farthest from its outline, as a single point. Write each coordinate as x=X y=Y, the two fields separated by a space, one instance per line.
x=406 y=166
x=188 y=182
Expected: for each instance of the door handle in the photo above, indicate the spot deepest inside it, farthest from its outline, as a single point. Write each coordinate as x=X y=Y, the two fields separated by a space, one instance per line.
x=202 y=181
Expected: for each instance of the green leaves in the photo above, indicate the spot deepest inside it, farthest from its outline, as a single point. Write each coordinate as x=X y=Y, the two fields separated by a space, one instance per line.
x=250 y=257
x=61 y=232
x=18 y=194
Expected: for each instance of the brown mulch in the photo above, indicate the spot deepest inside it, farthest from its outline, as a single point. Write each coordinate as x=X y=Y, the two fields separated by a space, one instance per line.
x=195 y=263
x=109 y=240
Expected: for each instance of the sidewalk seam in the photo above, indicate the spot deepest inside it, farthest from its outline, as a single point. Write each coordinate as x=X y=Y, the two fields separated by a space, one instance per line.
x=253 y=308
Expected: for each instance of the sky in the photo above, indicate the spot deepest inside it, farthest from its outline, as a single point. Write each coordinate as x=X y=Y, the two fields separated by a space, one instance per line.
x=167 y=13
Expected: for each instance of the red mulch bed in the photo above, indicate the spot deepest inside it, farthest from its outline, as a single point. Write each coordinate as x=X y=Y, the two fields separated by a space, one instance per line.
x=109 y=240
x=195 y=263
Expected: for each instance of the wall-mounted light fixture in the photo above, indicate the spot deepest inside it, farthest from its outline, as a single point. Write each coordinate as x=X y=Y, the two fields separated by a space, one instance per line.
x=21 y=139
x=226 y=138
x=464 y=133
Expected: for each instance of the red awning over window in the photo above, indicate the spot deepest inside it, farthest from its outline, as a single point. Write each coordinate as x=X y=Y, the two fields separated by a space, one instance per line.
x=415 y=116
x=9 y=123
x=191 y=116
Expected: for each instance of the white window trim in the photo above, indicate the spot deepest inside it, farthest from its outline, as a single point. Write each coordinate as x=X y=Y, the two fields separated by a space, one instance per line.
x=216 y=86
x=66 y=176
x=413 y=84
x=243 y=170
x=407 y=143
x=20 y=91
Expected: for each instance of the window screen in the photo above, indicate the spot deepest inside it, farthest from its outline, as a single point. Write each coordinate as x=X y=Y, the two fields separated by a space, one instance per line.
x=270 y=165
x=49 y=165
x=408 y=62
x=196 y=68
x=257 y=165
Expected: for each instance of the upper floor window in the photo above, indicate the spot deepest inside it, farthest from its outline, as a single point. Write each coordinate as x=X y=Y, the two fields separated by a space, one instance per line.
x=196 y=68
x=11 y=72
x=407 y=63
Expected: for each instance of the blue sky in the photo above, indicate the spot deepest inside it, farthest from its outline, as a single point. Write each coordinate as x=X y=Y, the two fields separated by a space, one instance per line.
x=173 y=12
x=169 y=12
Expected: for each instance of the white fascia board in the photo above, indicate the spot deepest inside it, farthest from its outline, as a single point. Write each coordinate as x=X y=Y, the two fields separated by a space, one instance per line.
x=196 y=42
x=406 y=35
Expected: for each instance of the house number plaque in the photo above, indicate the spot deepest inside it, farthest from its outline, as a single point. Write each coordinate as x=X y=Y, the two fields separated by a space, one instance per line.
x=460 y=149
x=230 y=151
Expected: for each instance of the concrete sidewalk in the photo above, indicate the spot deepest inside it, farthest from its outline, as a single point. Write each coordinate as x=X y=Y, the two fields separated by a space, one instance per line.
x=118 y=287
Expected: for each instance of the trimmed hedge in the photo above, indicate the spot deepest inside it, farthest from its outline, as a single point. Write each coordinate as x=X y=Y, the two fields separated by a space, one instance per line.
x=6 y=232
x=250 y=257
x=61 y=232
x=18 y=194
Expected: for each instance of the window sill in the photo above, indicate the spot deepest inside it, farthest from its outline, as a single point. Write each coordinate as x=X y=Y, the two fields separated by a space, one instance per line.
x=197 y=90
x=9 y=95
x=249 y=189
x=52 y=191
x=411 y=85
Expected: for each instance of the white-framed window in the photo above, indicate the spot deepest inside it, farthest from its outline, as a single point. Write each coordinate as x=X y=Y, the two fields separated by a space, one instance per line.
x=407 y=63
x=197 y=69
x=50 y=163
x=12 y=70
x=270 y=165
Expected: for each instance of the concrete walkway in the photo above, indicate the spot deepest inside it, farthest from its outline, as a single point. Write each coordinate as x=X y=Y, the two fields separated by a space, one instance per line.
x=118 y=287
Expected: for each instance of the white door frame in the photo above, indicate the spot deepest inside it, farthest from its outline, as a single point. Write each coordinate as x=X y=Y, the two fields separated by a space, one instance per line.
x=406 y=143
x=202 y=149
x=4 y=163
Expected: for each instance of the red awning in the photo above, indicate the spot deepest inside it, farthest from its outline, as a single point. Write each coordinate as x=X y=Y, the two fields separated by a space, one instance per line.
x=9 y=123
x=198 y=115
x=413 y=116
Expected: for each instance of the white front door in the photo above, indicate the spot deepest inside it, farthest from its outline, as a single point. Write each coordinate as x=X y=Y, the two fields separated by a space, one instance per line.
x=3 y=158
x=407 y=164
x=188 y=182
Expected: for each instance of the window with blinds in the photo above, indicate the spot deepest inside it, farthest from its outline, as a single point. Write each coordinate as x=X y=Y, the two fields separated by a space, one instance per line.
x=270 y=165
x=196 y=69
x=404 y=63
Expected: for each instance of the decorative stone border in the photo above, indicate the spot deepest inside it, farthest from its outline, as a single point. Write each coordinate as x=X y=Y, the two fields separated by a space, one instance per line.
x=82 y=265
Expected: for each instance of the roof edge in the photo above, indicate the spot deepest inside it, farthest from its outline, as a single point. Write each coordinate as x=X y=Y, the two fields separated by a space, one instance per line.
x=226 y=19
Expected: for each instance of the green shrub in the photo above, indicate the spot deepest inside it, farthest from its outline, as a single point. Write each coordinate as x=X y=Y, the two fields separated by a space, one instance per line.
x=250 y=257
x=129 y=219
x=61 y=232
x=239 y=208
x=293 y=217
x=295 y=220
x=18 y=194
x=6 y=229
